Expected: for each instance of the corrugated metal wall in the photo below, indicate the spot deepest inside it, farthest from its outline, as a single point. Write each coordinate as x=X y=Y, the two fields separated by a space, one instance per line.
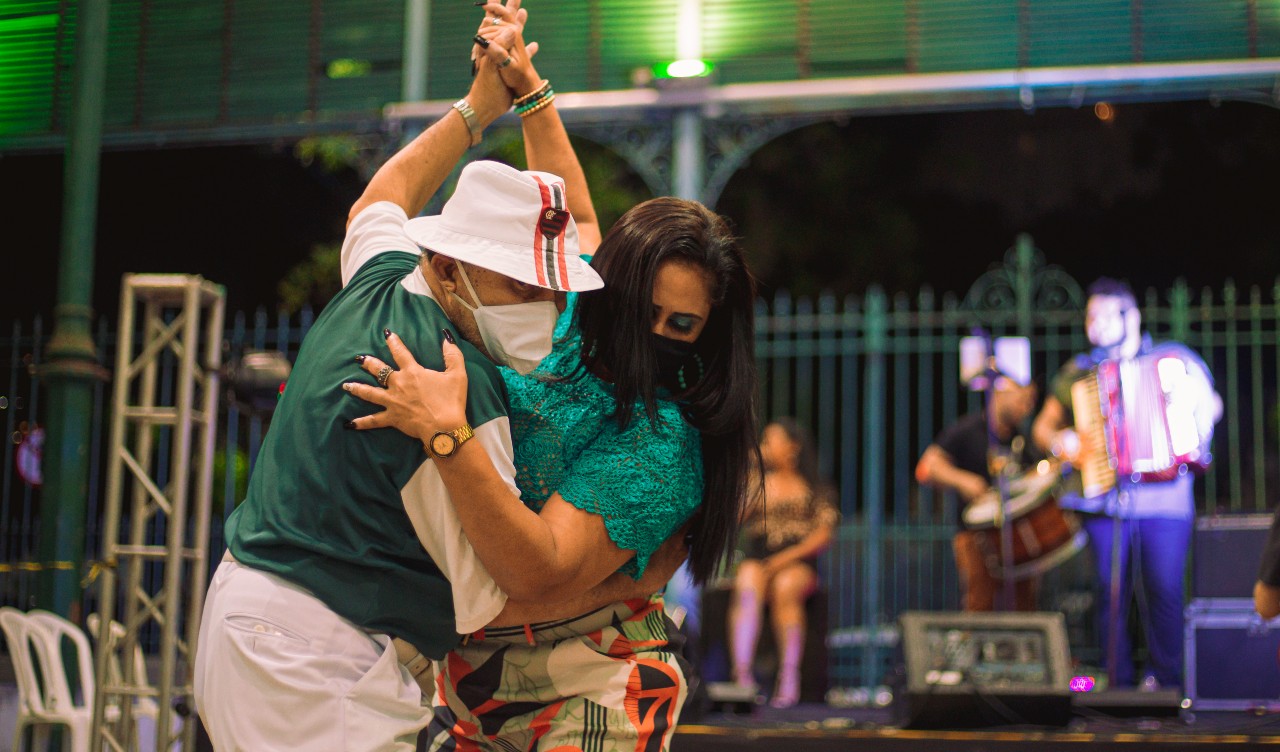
x=228 y=64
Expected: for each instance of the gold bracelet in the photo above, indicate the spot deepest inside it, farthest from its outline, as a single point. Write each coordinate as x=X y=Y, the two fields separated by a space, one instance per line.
x=539 y=106
x=532 y=103
x=533 y=94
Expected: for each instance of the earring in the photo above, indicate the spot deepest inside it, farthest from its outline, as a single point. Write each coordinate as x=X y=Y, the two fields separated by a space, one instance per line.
x=680 y=374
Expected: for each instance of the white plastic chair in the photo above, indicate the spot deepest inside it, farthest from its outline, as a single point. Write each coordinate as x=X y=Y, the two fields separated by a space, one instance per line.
x=61 y=703
x=37 y=707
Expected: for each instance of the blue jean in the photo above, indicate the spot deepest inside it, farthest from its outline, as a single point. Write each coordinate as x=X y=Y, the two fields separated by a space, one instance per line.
x=1159 y=547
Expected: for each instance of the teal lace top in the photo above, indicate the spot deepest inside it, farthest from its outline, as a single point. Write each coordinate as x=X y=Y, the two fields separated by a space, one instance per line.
x=645 y=480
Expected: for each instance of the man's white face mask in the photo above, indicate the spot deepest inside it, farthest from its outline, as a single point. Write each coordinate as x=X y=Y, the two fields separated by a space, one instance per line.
x=516 y=335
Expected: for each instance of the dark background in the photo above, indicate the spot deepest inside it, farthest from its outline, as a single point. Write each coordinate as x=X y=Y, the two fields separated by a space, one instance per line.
x=1157 y=192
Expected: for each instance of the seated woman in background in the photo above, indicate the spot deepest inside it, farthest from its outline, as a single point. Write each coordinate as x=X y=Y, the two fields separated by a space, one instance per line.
x=784 y=531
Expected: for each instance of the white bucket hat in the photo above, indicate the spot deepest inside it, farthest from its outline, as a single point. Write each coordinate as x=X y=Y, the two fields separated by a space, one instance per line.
x=511 y=222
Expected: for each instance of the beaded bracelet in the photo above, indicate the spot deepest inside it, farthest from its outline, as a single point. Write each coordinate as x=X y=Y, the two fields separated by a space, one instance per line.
x=537 y=93
x=539 y=105
x=531 y=103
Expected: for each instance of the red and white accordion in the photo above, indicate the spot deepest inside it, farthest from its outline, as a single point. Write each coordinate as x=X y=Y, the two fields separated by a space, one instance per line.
x=1144 y=419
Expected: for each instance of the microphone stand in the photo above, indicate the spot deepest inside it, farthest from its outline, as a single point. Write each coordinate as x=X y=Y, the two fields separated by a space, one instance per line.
x=1115 y=419
x=1115 y=623
x=998 y=463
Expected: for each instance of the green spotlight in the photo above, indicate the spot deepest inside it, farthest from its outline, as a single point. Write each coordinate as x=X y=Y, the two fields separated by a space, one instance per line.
x=683 y=69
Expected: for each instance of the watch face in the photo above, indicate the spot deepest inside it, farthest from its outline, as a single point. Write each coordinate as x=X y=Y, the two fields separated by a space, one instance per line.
x=443 y=444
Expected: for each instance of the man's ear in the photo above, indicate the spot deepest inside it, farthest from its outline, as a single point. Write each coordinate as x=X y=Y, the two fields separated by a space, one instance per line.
x=446 y=271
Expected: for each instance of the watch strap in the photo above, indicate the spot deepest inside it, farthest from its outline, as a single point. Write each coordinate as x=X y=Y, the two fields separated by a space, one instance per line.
x=461 y=434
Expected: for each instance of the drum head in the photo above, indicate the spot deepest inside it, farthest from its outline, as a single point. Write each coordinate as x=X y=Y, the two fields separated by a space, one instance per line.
x=982 y=512
x=1026 y=492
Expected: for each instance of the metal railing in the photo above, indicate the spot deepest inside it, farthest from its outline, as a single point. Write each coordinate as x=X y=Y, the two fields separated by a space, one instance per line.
x=875 y=377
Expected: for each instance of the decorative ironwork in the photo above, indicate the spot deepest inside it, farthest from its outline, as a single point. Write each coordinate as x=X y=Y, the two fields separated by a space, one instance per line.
x=729 y=142
x=1024 y=284
x=727 y=145
x=646 y=147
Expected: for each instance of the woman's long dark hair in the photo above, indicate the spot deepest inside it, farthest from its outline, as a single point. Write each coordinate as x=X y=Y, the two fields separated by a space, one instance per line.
x=806 y=458
x=616 y=329
x=807 y=453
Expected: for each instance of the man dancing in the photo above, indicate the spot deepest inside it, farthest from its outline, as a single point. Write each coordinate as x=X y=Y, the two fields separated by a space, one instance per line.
x=347 y=566
x=1139 y=523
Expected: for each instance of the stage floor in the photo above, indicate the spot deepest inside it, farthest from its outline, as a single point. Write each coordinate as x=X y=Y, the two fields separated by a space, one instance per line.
x=820 y=728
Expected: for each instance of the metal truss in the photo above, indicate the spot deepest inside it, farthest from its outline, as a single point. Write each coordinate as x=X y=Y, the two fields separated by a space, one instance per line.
x=156 y=526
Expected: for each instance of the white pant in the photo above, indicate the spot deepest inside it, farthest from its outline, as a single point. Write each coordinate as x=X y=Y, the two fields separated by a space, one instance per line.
x=277 y=670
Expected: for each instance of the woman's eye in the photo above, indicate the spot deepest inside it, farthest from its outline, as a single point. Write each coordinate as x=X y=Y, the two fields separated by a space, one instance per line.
x=681 y=323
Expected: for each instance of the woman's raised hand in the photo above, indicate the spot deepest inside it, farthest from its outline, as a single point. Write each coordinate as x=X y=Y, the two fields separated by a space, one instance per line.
x=418 y=401
x=503 y=28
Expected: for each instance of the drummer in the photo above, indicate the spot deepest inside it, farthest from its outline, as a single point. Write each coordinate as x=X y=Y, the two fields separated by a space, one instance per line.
x=961 y=459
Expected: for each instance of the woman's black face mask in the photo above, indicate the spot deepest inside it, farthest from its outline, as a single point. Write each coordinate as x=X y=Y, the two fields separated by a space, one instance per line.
x=678 y=364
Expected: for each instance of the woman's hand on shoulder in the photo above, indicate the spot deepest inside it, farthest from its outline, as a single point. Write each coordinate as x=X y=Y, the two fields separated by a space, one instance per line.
x=418 y=401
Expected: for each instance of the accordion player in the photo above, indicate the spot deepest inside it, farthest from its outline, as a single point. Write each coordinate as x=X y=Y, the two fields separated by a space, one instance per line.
x=1143 y=419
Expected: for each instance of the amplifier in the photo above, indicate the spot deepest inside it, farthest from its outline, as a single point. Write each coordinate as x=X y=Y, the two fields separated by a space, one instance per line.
x=1225 y=553
x=967 y=670
x=1232 y=657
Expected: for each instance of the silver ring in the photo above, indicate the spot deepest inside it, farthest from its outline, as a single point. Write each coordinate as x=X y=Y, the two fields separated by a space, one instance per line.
x=506 y=62
x=384 y=374
x=496 y=21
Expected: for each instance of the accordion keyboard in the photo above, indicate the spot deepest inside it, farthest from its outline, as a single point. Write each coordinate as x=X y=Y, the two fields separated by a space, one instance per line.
x=1097 y=470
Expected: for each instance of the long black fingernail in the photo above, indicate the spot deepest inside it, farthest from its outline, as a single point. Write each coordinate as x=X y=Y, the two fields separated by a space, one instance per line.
x=473 y=69
x=478 y=3
x=349 y=425
x=360 y=358
x=448 y=336
x=386 y=334
x=481 y=41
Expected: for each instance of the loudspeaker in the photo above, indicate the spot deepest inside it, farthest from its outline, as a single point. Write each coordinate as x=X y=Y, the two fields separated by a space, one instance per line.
x=1225 y=554
x=972 y=670
x=1232 y=657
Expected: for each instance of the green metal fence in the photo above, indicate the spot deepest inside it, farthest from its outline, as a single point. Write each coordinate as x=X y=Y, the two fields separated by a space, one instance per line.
x=875 y=378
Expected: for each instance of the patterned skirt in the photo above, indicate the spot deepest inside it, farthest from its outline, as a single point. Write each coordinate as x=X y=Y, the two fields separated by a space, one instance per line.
x=604 y=682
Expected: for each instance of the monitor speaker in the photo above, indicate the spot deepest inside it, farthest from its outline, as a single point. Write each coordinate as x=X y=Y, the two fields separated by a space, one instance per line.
x=1225 y=553
x=974 y=670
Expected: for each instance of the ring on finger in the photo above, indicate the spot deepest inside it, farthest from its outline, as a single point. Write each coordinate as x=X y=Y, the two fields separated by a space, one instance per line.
x=384 y=374
x=496 y=21
x=506 y=62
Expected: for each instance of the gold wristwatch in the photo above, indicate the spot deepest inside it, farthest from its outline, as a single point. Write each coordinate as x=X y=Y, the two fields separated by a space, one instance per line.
x=445 y=443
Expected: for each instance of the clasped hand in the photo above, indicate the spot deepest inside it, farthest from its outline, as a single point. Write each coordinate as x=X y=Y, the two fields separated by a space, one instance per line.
x=417 y=401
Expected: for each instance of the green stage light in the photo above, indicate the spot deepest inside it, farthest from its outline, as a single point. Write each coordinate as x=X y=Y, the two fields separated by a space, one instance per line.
x=683 y=69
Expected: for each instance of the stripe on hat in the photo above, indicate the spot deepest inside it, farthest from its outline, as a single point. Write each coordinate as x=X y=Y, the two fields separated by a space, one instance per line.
x=537 y=232
x=550 y=274
x=564 y=268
